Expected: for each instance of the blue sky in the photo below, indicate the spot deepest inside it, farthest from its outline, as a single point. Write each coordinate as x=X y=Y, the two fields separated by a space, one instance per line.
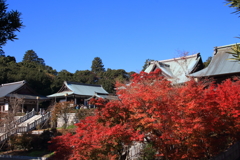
x=123 y=33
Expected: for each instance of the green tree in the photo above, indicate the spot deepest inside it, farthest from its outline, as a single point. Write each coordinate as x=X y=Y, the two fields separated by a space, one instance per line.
x=31 y=56
x=206 y=63
x=64 y=75
x=97 y=65
x=235 y=48
x=5 y=60
x=41 y=78
x=146 y=64
x=85 y=76
x=111 y=76
x=234 y=4
x=10 y=22
x=235 y=52
x=9 y=69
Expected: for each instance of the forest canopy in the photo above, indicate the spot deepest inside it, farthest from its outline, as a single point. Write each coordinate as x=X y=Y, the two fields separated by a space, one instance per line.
x=45 y=80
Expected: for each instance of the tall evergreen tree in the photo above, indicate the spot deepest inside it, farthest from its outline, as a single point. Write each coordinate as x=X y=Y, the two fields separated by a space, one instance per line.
x=97 y=65
x=31 y=56
x=10 y=22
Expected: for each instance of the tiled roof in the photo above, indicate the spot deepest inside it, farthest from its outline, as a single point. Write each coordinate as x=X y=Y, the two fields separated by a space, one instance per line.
x=220 y=65
x=80 y=89
x=8 y=88
x=177 y=69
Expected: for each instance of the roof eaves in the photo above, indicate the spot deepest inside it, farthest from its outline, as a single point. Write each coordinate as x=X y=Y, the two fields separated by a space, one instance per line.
x=77 y=83
x=5 y=93
x=7 y=84
x=60 y=94
x=225 y=46
x=194 y=65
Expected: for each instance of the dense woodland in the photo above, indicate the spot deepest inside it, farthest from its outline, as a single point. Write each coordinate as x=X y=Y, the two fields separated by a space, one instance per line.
x=45 y=80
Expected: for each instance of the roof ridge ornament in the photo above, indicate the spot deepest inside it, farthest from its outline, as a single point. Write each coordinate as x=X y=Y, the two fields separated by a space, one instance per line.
x=215 y=50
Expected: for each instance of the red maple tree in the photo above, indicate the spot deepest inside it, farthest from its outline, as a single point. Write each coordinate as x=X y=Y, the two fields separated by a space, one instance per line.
x=187 y=121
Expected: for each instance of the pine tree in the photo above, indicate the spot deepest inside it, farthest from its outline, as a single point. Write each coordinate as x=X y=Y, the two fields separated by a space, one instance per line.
x=97 y=65
x=31 y=56
x=10 y=22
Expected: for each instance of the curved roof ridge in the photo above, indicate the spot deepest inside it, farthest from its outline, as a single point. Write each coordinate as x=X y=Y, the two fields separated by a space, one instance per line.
x=218 y=47
x=220 y=63
x=79 y=89
x=5 y=84
x=179 y=58
x=69 y=82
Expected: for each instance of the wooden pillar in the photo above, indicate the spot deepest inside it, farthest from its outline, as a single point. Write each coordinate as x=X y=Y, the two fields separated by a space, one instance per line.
x=37 y=109
x=75 y=100
x=66 y=97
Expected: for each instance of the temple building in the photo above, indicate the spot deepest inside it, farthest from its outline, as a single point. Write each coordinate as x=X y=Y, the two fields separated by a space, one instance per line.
x=78 y=93
x=19 y=93
x=221 y=66
x=177 y=70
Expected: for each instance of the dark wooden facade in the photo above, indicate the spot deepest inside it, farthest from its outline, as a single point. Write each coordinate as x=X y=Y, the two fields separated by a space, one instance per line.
x=10 y=92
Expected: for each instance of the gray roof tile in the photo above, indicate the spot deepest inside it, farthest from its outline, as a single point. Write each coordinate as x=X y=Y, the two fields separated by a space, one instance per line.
x=80 y=89
x=220 y=65
x=8 y=88
x=176 y=69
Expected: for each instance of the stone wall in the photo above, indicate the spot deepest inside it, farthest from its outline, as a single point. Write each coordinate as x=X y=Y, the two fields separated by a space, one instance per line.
x=72 y=119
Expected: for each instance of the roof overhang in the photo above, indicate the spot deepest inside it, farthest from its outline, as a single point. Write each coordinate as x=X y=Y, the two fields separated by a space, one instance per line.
x=61 y=94
x=26 y=97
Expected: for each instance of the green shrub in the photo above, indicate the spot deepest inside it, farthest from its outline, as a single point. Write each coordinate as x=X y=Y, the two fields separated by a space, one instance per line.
x=24 y=141
x=71 y=126
x=148 y=152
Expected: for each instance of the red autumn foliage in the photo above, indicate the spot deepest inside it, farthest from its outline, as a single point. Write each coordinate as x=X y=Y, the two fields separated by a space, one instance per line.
x=94 y=140
x=190 y=121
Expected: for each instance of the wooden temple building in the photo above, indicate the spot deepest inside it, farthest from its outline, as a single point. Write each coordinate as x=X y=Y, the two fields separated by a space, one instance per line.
x=10 y=92
x=221 y=67
x=177 y=70
x=78 y=93
x=180 y=70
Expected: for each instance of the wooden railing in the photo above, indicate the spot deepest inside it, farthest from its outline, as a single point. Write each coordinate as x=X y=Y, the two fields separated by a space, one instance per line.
x=27 y=128
x=17 y=122
x=43 y=118
x=26 y=117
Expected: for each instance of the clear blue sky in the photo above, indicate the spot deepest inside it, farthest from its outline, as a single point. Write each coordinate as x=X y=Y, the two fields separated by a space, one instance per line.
x=123 y=33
